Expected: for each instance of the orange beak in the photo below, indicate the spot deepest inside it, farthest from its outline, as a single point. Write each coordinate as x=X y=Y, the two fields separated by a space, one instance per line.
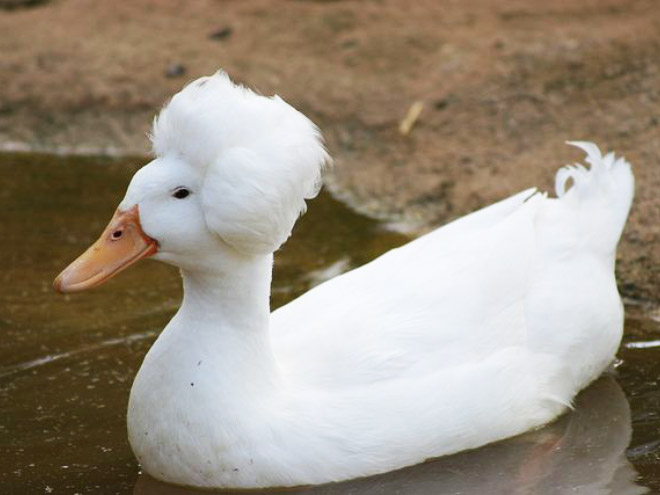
x=122 y=243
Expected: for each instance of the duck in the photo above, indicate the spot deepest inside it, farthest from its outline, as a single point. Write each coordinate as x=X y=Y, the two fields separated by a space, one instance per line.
x=478 y=331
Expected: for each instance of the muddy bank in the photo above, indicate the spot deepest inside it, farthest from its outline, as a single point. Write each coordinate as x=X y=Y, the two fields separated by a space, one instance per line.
x=502 y=86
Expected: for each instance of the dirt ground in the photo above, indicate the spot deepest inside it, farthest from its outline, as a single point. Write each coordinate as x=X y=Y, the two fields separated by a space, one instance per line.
x=502 y=86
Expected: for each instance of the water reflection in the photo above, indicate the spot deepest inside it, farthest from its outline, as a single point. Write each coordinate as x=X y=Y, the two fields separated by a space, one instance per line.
x=583 y=452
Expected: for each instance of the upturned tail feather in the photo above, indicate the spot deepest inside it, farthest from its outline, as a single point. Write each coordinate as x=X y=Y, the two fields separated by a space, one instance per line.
x=601 y=194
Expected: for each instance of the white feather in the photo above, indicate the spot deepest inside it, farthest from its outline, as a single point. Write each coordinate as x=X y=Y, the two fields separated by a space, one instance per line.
x=260 y=158
x=481 y=330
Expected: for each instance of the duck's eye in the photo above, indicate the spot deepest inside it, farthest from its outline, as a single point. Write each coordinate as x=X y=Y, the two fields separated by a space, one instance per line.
x=181 y=192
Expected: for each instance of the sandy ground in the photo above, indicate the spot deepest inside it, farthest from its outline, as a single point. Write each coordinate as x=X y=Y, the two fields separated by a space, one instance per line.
x=502 y=86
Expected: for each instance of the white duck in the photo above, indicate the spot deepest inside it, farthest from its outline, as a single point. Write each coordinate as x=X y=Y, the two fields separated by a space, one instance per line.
x=478 y=331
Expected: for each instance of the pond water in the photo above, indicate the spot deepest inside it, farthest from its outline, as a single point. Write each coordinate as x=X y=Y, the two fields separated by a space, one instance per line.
x=67 y=362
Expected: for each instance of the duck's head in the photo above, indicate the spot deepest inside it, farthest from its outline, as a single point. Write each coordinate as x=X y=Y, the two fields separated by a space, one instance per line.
x=231 y=173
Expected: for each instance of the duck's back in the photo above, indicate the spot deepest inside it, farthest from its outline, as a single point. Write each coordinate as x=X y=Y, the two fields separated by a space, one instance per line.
x=442 y=300
x=523 y=273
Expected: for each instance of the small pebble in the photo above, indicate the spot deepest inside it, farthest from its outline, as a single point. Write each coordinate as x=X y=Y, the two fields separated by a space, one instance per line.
x=222 y=33
x=175 y=70
x=17 y=4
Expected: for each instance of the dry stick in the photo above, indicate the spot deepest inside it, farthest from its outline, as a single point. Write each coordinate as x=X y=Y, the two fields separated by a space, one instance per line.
x=406 y=125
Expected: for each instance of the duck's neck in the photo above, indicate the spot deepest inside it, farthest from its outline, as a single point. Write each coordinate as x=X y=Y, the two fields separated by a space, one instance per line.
x=225 y=314
x=234 y=297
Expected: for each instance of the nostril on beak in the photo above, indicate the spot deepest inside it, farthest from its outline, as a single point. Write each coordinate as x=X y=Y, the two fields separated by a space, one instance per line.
x=117 y=234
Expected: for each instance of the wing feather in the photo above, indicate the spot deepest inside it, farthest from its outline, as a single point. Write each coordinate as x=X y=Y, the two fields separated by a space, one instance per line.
x=454 y=295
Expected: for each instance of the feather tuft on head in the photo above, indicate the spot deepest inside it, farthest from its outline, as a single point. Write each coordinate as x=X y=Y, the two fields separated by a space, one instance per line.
x=259 y=158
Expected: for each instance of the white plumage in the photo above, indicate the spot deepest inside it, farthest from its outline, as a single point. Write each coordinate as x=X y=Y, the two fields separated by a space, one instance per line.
x=259 y=157
x=478 y=331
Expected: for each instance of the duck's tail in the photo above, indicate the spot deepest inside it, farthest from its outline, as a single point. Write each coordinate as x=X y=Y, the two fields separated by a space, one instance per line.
x=599 y=196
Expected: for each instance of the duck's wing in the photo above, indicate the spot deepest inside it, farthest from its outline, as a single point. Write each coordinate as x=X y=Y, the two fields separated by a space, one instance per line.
x=449 y=297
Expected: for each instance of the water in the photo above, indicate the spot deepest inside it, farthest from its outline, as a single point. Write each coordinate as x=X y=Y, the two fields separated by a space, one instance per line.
x=67 y=362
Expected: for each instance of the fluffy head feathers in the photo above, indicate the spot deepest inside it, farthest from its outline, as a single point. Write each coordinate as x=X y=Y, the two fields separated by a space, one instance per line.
x=259 y=158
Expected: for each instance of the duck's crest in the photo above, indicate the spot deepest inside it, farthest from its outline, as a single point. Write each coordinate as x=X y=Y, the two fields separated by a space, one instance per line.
x=260 y=158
